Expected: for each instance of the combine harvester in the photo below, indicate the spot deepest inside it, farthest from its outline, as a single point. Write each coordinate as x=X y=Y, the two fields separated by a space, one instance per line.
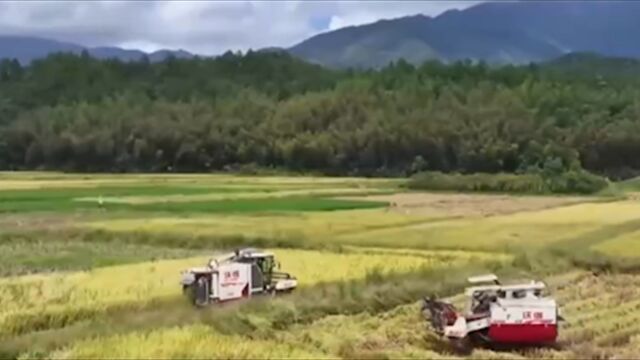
x=497 y=316
x=241 y=274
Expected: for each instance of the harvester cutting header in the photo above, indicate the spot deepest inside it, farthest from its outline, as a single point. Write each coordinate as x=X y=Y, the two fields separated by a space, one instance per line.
x=240 y=274
x=497 y=314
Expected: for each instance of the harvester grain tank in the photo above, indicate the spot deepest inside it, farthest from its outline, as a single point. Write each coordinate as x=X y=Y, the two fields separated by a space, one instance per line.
x=497 y=315
x=237 y=275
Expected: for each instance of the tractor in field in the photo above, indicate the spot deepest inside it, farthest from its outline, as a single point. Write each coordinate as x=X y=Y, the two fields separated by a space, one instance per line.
x=497 y=315
x=241 y=274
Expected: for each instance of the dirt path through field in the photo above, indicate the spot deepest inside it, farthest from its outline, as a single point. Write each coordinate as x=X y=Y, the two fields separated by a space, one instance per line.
x=469 y=205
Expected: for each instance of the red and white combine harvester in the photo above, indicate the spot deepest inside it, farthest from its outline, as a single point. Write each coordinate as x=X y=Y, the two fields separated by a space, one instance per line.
x=497 y=315
x=241 y=274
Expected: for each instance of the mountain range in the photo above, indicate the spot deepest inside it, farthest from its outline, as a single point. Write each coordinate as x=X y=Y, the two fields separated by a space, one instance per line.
x=26 y=49
x=495 y=32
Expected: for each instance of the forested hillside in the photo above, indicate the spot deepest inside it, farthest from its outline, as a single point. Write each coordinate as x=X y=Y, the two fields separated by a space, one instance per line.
x=269 y=109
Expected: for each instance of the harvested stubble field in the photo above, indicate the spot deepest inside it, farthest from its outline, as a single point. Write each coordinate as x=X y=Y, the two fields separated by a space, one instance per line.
x=91 y=265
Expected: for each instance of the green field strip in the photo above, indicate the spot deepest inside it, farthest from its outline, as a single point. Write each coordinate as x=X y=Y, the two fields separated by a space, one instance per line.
x=284 y=204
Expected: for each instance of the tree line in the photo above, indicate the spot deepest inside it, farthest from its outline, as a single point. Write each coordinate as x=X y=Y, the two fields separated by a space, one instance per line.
x=270 y=110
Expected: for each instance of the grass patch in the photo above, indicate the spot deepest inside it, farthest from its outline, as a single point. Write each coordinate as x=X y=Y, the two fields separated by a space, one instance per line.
x=632 y=185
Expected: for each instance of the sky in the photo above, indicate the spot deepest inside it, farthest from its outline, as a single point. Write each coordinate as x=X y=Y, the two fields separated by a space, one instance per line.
x=203 y=27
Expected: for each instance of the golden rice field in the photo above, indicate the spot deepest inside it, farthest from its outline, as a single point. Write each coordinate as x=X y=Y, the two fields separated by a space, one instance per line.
x=321 y=226
x=46 y=315
x=602 y=321
x=385 y=228
x=626 y=245
x=97 y=290
x=192 y=342
x=518 y=231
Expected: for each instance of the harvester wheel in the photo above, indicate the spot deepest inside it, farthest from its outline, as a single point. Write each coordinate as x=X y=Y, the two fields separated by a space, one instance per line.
x=462 y=346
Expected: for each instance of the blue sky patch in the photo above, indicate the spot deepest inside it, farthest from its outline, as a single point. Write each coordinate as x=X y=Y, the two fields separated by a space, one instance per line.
x=320 y=22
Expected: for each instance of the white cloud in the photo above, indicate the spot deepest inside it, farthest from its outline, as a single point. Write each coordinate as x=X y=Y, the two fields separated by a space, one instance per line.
x=199 y=26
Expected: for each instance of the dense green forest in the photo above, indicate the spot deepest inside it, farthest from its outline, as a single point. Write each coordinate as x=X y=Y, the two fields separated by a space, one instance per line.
x=270 y=110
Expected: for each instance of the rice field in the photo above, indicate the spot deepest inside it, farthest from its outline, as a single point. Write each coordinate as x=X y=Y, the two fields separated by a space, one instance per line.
x=193 y=342
x=23 y=257
x=626 y=245
x=49 y=180
x=90 y=264
x=315 y=226
x=387 y=228
x=76 y=295
x=601 y=315
x=518 y=231
x=213 y=195
x=35 y=192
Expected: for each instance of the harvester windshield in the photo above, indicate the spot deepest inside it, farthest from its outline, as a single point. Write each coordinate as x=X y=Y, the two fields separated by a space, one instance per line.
x=266 y=264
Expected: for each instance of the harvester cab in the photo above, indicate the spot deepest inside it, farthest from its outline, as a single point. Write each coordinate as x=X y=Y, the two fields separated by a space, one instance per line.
x=497 y=314
x=240 y=274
